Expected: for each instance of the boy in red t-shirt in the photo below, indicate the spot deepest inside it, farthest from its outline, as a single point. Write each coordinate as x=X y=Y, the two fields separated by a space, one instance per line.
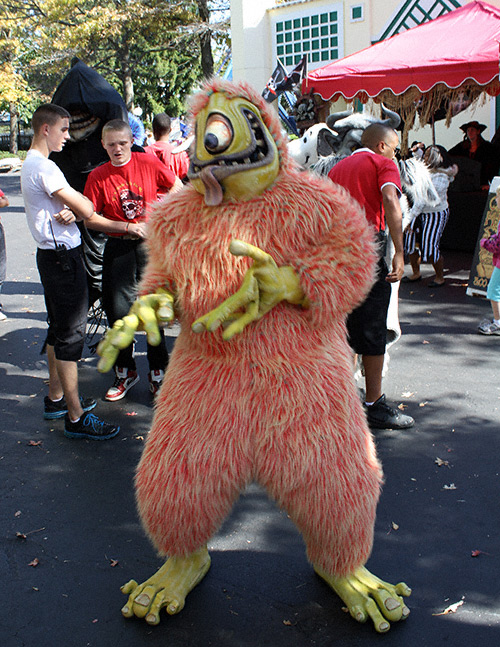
x=121 y=191
x=163 y=149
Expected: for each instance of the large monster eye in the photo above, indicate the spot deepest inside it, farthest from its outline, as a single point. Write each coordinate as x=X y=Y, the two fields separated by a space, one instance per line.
x=218 y=134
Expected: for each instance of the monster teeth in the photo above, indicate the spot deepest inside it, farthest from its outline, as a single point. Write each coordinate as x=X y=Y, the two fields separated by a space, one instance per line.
x=235 y=163
x=261 y=155
x=247 y=160
x=260 y=142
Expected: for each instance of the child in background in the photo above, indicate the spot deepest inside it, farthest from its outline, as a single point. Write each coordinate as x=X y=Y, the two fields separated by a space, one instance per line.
x=4 y=202
x=487 y=326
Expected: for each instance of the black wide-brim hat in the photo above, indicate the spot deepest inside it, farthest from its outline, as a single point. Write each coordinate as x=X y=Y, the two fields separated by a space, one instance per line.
x=473 y=124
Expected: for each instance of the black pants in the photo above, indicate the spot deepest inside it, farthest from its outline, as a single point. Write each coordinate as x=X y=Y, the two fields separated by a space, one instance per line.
x=124 y=261
x=66 y=300
x=367 y=324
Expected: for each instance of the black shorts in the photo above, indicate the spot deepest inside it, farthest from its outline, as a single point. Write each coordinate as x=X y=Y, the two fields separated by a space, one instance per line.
x=367 y=324
x=66 y=299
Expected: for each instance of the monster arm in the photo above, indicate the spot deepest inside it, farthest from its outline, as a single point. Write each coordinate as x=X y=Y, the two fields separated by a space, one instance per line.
x=264 y=286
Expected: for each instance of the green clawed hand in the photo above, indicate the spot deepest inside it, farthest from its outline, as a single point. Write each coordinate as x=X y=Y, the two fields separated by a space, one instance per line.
x=264 y=286
x=147 y=313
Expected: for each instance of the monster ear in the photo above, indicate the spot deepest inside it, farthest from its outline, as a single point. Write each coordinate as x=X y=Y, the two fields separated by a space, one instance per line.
x=326 y=141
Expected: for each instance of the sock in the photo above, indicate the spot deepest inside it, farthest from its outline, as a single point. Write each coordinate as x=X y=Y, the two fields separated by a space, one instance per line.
x=496 y=321
x=75 y=421
x=369 y=404
x=58 y=399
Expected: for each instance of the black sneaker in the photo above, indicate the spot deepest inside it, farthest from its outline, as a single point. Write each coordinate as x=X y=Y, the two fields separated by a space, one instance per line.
x=89 y=426
x=381 y=416
x=53 y=410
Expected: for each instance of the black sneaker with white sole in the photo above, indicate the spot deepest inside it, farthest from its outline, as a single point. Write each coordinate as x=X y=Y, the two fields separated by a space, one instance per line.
x=54 y=410
x=91 y=427
x=381 y=416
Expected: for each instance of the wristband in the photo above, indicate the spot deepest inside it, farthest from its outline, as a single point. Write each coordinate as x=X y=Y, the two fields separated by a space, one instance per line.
x=126 y=227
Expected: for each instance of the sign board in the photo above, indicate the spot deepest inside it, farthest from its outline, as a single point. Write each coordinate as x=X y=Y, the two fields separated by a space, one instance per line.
x=482 y=265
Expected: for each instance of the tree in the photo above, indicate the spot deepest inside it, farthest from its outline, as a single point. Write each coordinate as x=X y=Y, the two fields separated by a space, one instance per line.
x=149 y=50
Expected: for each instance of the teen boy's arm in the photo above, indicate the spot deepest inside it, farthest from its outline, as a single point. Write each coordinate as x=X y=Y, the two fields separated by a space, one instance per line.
x=81 y=206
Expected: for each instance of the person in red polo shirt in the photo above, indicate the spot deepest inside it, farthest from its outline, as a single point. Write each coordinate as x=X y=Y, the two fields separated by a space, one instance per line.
x=372 y=178
x=121 y=191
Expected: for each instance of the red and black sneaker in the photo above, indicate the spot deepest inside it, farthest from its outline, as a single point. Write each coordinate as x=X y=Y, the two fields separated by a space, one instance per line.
x=124 y=381
x=155 y=380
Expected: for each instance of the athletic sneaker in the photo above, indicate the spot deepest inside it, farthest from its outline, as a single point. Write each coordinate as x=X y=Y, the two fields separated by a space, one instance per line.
x=3 y=316
x=53 y=410
x=124 y=381
x=488 y=328
x=155 y=380
x=381 y=416
x=89 y=426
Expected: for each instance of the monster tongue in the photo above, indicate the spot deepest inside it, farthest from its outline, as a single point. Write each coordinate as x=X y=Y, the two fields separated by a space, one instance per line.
x=213 y=189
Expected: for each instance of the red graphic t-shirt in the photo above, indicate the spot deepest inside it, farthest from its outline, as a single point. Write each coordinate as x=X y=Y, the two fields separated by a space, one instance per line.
x=125 y=192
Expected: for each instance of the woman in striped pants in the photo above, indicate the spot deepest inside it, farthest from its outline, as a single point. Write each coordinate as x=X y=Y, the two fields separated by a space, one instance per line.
x=427 y=227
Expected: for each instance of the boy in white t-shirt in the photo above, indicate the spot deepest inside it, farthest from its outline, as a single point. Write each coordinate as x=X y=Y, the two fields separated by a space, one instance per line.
x=52 y=208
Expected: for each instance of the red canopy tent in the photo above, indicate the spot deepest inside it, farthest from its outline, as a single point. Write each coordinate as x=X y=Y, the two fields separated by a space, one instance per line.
x=438 y=61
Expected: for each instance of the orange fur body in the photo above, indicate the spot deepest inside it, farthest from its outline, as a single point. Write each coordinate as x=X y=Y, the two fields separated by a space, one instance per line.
x=277 y=403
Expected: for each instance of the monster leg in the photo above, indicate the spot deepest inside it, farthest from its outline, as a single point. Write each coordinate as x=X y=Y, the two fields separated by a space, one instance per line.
x=322 y=468
x=194 y=464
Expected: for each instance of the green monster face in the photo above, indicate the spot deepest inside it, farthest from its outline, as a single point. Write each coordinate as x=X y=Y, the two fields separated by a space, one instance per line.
x=234 y=156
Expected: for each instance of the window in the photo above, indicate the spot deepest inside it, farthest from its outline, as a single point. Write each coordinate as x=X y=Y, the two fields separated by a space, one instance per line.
x=318 y=35
x=357 y=12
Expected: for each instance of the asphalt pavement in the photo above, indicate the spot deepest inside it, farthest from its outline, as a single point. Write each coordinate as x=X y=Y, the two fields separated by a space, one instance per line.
x=70 y=535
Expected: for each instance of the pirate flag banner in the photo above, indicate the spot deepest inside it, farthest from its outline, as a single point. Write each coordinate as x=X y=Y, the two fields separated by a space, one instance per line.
x=281 y=82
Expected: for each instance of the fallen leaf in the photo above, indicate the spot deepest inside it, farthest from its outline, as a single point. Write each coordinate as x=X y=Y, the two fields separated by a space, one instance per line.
x=287 y=623
x=426 y=342
x=451 y=609
x=131 y=413
x=451 y=486
x=35 y=443
x=407 y=394
x=394 y=526
x=21 y=535
x=402 y=406
x=94 y=621
x=429 y=312
x=476 y=553
x=113 y=562
x=441 y=462
x=34 y=563
x=18 y=513
x=424 y=404
x=139 y=437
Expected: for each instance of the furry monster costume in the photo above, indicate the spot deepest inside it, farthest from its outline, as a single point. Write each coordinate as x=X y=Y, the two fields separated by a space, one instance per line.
x=275 y=403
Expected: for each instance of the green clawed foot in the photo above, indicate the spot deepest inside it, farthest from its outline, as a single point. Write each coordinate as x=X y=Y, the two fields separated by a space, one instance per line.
x=366 y=596
x=168 y=587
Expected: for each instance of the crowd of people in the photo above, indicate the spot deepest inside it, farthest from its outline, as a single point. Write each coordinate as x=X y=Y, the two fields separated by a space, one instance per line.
x=115 y=199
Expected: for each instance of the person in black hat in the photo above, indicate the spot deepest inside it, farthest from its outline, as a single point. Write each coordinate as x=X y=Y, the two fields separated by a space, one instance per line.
x=476 y=148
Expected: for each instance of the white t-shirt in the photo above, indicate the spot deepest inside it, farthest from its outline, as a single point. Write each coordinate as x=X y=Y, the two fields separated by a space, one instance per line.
x=40 y=178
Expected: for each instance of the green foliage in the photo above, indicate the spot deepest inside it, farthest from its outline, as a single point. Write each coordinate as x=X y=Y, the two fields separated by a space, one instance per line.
x=146 y=48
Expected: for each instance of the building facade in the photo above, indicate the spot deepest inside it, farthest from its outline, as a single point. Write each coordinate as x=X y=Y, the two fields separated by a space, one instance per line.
x=264 y=31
